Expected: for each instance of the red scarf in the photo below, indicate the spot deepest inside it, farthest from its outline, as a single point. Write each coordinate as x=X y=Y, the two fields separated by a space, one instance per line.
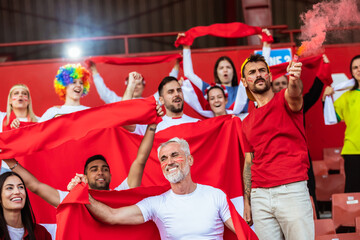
x=225 y=30
x=133 y=60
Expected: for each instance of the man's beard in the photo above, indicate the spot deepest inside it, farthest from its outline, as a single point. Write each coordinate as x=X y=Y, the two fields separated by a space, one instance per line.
x=174 y=109
x=261 y=90
x=179 y=175
x=94 y=186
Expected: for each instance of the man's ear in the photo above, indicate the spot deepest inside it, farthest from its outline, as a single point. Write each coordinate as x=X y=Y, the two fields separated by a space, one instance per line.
x=270 y=76
x=244 y=82
x=161 y=99
x=191 y=160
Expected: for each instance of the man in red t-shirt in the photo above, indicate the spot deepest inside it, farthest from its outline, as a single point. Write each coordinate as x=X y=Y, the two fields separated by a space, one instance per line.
x=276 y=158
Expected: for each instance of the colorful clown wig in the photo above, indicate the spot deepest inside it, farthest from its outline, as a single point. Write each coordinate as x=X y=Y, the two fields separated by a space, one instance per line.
x=66 y=75
x=9 y=108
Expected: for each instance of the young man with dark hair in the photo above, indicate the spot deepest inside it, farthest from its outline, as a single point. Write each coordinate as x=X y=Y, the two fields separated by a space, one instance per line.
x=276 y=158
x=172 y=97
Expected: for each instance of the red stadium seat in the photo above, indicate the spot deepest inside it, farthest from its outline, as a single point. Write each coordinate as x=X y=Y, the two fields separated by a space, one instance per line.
x=345 y=208
x=332 y=158
x=320 y=168
x=340 y=236
x=324 y=227
x=329 y=184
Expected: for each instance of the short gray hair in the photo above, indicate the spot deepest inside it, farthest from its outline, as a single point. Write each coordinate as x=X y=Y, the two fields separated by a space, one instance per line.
x=184 y=145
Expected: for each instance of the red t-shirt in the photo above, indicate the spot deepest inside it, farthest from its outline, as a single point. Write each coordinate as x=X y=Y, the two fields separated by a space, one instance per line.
x=276 y=136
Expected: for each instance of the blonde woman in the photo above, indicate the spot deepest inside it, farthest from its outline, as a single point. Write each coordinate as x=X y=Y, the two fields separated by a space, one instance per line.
x=19 y=110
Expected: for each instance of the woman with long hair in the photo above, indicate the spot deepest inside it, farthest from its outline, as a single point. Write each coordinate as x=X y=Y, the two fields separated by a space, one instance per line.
x=71 y=83
x=19 y=110
x=347 y=108
x=17 y=220
x=224 y=73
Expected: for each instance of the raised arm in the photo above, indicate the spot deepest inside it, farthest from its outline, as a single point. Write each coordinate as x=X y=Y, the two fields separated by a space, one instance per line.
x=266 y=50
x=130 y=215
x=134 y=78
x=188 y=66
x=104 y=92
x=49 y=194
x=175 y=70
x=293 y=94
x=137 y=167
x=247 y=186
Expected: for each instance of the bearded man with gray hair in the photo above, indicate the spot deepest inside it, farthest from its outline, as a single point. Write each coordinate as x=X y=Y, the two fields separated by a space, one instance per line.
x=187 y=211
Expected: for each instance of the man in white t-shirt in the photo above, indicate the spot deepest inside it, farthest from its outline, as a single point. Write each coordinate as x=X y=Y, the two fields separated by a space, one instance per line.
x=172 y=97
x=200 y=210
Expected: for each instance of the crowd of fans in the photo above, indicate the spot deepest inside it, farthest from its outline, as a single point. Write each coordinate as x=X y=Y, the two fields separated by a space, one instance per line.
x=276 y=169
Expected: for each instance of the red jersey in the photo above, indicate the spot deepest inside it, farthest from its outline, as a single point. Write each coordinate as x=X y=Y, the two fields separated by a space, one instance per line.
x=276 y=136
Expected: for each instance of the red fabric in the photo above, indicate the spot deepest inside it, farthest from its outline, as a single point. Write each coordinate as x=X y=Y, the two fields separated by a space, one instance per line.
x=276 y=135
x=324 y=73
x=40 y=233
x=57 y=164
x=133 y=60
x=225 y=30
x=199 y=93
x=309 y=64
x=20 y=143
x=12 y=118
x=241 y=227
x=86 y=227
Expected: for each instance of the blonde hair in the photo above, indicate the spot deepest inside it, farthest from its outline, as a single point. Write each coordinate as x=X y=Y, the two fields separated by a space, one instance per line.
x=9 y=108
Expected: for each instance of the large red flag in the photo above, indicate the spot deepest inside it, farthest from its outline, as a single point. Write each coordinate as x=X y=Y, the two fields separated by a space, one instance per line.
x=54 y=132
x=214 y=143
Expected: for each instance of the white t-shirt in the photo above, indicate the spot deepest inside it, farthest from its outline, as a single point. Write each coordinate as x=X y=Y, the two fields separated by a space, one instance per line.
x=123 y=186
x=57 y=111
x=198 y=215
x=16 y=233
x=165 y=123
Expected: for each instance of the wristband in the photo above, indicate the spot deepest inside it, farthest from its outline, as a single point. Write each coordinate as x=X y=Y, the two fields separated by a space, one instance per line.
x=14 y=166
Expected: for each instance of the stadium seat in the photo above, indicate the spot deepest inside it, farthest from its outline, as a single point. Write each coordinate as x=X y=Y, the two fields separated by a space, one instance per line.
x=345 y=208
x=324 y=227
x=340 y=236
x=328 y=184
x=332 y=157
x=320 y=168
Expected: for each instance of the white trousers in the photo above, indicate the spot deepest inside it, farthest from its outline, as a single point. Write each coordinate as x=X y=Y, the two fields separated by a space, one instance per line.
x=283 y=212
